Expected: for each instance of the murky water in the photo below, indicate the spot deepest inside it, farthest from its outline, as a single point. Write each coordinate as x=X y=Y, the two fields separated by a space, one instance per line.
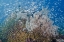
x=26 y=20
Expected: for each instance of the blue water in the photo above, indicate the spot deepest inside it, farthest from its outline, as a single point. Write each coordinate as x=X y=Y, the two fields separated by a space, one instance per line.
x=56 y=7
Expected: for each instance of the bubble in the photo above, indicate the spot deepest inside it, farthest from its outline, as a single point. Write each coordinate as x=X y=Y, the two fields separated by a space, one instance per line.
x=52 y=9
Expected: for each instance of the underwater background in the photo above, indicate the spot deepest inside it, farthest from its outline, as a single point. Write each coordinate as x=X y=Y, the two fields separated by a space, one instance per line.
x=56 y=8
